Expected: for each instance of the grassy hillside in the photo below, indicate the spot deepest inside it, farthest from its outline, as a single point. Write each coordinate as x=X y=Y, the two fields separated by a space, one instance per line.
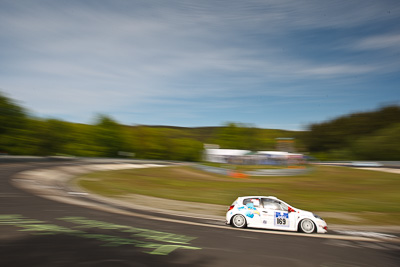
x=209 y=134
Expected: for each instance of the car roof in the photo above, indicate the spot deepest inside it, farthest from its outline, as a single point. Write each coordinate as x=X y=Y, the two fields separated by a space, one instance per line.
x=259 y=197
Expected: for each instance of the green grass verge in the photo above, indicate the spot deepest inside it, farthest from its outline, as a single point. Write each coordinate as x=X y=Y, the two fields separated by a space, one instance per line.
x=370 y=194
x=364 y=218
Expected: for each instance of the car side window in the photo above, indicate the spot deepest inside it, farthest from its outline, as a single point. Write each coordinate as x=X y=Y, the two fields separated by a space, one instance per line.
x=255 y=202
x=272 y=204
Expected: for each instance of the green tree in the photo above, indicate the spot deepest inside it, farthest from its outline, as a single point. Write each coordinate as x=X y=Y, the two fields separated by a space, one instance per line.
x=54 y=136
x=382 y=145
x=341 y=132
x=108 y=137
x=12 y=116
x=237 y=136
x=82 y=143
x=185 y=149
x=13 y=120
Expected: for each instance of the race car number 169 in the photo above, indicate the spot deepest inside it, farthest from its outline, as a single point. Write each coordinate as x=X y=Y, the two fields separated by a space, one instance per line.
x=281 y=218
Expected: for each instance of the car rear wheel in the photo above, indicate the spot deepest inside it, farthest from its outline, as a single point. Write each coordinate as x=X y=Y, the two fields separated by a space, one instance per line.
x=239 y=221
x=307 y=226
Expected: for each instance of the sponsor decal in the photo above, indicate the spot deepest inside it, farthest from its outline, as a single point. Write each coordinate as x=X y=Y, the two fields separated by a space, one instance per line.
x=250 y=210
x=281 y=219
x=249 y=214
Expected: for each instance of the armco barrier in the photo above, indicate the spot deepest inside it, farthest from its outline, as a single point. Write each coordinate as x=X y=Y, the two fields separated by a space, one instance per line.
x=21 y=159
x=16 y=159
x=262 y=172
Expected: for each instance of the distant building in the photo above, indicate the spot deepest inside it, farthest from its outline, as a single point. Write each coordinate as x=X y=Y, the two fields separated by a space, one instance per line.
x=281 y=158
x=247 y=157
x=223 y=155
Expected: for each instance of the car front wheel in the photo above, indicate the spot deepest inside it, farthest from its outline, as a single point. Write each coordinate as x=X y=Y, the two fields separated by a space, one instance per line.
x=239 y=221
x=307 y=226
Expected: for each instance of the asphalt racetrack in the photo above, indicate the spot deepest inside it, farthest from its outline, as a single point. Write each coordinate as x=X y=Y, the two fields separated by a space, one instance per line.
x=40 y=231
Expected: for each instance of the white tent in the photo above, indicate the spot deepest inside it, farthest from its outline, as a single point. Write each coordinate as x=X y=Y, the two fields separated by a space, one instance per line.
x=275 y=154
x=222 y=155
x=238 y=156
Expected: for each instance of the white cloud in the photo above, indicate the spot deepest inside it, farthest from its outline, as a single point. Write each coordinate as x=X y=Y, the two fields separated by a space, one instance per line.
x=337 y=70
x=387 y=41
x=104 y=58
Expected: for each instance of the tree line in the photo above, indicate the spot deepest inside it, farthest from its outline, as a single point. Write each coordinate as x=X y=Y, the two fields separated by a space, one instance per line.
x=22 y=134
x=367 y=136
x=373 y=135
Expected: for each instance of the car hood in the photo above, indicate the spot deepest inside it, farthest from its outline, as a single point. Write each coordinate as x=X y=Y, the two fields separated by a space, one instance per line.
x=305 y=213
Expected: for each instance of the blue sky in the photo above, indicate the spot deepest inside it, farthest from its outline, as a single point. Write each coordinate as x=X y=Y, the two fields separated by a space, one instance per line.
x=274 y=64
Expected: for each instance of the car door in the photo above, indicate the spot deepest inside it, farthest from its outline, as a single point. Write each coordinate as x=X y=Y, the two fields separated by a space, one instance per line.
x=266 y=214
x=275 y=215
x=252 y=211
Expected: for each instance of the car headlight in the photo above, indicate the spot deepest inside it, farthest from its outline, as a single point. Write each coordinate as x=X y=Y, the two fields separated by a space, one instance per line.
x=318 y=217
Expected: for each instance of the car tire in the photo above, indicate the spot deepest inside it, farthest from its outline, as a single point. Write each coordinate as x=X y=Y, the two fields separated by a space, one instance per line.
x=307 y=226
x=239 y=221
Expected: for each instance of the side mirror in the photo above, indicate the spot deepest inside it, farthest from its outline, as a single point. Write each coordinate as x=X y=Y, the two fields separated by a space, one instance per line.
x=291 y=210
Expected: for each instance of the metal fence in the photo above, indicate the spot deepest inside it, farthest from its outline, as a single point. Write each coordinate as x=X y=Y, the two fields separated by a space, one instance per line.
x=261 y=172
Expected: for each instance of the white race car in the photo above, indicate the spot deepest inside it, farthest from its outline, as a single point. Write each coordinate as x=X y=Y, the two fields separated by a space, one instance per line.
x=272 y=213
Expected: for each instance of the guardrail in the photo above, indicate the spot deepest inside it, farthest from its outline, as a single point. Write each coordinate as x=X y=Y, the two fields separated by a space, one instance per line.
x=16 y=159
x=361 y=163
x=261 y=172
x=19 y=159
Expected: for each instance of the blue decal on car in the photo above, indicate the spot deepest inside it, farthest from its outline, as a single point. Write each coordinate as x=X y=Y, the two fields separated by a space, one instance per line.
x=250 y=214
x=282 y=214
